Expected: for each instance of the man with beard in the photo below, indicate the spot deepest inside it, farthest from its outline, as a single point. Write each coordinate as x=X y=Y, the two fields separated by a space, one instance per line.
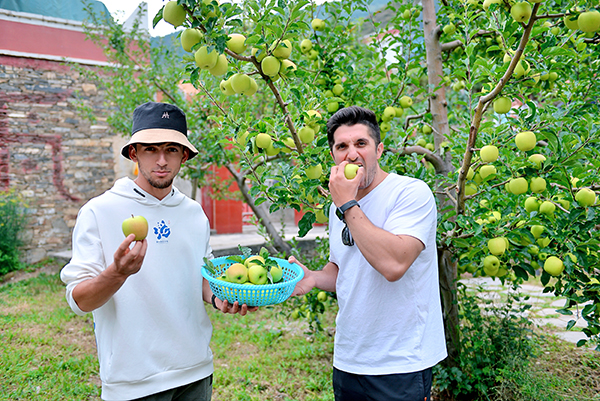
x=383 y=267
x=147 y=297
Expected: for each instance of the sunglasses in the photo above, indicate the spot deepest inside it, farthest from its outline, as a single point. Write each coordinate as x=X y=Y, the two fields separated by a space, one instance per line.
x=346 y=234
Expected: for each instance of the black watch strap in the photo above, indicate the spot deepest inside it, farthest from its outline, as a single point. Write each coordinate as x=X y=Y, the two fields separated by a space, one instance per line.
x=347 y=206
x=212 y=301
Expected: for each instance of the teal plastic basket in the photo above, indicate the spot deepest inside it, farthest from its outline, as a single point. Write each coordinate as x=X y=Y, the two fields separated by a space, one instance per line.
x=253 y=294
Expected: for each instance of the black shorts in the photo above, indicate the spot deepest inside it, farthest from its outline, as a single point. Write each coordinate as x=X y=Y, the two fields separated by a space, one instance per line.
x=414 y=386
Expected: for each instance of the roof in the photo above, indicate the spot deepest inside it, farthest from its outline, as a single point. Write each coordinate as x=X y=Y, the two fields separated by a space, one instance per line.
x=65 y=9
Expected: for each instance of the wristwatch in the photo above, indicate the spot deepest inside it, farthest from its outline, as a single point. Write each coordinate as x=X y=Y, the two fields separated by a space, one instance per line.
x=212 y=301
x=342 y=209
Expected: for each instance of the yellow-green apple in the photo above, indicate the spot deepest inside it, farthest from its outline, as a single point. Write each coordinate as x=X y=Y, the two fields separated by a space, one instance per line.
x=259 y=54
x=189 y=38
x=221 y=67
x=322 y=296
x=536 y=230
x=317 y=24
x=283 y=49
x=137 y=225
x=263 y=140
x=306 y=45
x=240 y=82
x=204 y=59
x=174 y=14
x=332 y=107
x=257 y=274
x=385 y=127
x=488 y=3
x=287 y=66
x=399 y=111
x=252 y=89
x=405 y=102
x=537 y=185
x=236 y=43
x=272 y=150
x=570 y=21
x=487 y=170
x=226 y=89
x=421 y=142
x=289 y=142
x=502 y=105
x=547 y=208
x=449 y=29
x=521 y=11
x=470 y=189
x=388 y=113
x=533 y=249
x=537 y=159
x=563 y=202
x=242 y=137
x=543 y=242
x=237 y=273
x=350 y=170
x=337 y=89
x=585 y=197
x=312 y=54
x=497 y=246
x=426 y=129
x=489 y=154
x=491 y=264
x=532 y=204
x=306 y=134
x=589 y=21
x=270 y=66
x=213 y=9
x=470 y=173
x=320 y=215
x=276 y=273
x=430 y=146
x=553 y=266
x=314 y=172
x=525 y=140
x=254 y=259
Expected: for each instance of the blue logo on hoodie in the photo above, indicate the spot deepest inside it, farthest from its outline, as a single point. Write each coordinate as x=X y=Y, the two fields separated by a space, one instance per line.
x=162 y=230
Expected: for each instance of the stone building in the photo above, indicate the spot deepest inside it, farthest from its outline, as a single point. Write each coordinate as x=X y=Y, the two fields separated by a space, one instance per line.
x=56 y=159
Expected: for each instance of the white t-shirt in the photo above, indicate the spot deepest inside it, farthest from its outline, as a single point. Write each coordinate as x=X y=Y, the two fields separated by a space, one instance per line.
x=389 y=327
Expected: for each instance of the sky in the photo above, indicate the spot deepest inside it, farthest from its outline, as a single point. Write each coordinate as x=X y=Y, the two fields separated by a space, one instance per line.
x=122 y=9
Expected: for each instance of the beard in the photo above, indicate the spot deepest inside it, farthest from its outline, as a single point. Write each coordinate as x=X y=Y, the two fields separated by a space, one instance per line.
x=159 y=184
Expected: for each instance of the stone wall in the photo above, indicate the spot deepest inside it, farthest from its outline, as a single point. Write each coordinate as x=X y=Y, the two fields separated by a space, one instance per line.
x=54 y=157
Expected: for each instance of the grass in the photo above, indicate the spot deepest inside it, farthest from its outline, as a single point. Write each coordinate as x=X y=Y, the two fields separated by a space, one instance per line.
x=48 y=353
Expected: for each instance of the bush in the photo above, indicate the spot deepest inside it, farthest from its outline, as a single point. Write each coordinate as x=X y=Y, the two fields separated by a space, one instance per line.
x=495 y=340
x=12 y=222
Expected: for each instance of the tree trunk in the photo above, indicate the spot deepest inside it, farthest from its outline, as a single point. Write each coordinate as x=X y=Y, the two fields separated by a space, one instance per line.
x=259 y=212
x=439 y=111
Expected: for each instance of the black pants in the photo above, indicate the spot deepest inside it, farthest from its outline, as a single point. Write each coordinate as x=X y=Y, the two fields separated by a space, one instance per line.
x=196 y=391
x=414 y=386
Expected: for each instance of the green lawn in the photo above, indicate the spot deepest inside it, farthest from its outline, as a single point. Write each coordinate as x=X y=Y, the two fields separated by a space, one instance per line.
x=48 y=353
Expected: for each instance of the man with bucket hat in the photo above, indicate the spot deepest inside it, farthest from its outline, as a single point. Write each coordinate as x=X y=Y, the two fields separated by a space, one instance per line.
x=152 y=330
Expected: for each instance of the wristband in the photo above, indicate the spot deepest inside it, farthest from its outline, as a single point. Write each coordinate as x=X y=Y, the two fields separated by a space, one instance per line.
x=342 y=209
x=212 y=301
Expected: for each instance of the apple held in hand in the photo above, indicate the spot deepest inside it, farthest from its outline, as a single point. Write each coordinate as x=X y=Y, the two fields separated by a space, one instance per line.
x=137 y=225
x=350 y=170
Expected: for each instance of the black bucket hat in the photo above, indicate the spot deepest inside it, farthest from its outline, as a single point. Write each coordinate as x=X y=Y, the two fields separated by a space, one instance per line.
x=159 y=123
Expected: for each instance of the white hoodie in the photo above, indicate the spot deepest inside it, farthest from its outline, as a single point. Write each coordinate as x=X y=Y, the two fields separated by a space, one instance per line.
x=154 y=333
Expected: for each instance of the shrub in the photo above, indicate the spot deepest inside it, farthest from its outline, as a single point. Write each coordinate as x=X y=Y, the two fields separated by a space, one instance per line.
x=12 y=222
x=495 y=340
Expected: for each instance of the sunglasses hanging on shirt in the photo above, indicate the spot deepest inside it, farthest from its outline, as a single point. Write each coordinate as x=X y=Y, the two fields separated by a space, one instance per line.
x=346 y=234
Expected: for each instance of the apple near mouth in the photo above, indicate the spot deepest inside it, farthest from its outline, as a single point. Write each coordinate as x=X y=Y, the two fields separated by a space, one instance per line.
x=350 y=170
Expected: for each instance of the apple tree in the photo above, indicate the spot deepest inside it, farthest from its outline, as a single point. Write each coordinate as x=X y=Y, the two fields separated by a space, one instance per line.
x=493 y=104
